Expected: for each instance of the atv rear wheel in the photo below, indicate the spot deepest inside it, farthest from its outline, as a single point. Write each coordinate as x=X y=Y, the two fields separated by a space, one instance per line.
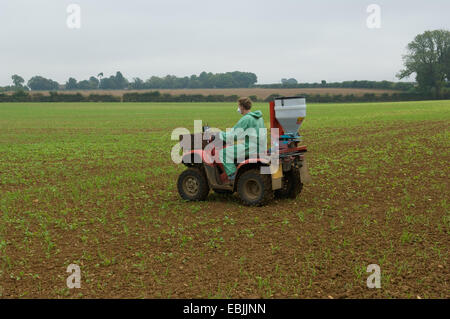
x=292 y=184
x=254 y=188
x=192 y=185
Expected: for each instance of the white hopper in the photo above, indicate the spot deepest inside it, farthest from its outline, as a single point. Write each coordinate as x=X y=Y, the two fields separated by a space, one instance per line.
x=290 y=112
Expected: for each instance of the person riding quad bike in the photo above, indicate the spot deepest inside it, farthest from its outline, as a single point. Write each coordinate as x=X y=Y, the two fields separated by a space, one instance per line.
x=216 y=162
x=248 y=126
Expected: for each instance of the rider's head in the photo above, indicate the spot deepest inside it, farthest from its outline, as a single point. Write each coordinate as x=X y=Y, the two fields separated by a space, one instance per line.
x=245 y=104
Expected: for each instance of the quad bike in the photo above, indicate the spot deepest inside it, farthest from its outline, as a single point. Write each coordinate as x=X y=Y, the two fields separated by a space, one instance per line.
x=254 y=188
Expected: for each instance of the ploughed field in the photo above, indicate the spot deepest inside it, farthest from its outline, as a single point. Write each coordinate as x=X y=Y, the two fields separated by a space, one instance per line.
x=94 y=185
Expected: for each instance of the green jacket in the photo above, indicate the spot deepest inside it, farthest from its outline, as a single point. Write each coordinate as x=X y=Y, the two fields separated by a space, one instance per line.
x=251 y=120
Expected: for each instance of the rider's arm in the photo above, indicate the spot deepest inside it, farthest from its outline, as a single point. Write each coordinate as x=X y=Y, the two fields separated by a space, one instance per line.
x=237 y=130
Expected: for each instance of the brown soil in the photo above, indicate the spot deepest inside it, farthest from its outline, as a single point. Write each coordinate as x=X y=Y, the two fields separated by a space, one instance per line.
x=367 y=193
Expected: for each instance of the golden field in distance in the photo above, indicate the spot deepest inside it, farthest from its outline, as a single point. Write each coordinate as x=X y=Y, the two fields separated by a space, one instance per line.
x=259 y=92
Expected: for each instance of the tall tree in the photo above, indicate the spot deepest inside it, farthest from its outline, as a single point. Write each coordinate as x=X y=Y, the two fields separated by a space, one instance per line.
x=121 y=82
x=18 y=81
x=116 y=82
x=429 y=58
x=93 y=83
x=41 y=83
x=137 y=84
x=71 y=84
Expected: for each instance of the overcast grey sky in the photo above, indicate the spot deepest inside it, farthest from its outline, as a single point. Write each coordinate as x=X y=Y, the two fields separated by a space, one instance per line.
x=308 y=40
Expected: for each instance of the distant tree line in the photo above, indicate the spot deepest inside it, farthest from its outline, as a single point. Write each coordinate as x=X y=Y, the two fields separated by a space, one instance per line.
x=204 y=80
x=367 y=97
x=92 y=84
x=156 y=96
x=119 y=82
x=24 y=96
x=364 y=84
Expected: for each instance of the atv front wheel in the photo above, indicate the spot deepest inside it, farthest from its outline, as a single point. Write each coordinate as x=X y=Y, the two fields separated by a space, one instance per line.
x=254 y=188
x=292 y=184
x=192 y=185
